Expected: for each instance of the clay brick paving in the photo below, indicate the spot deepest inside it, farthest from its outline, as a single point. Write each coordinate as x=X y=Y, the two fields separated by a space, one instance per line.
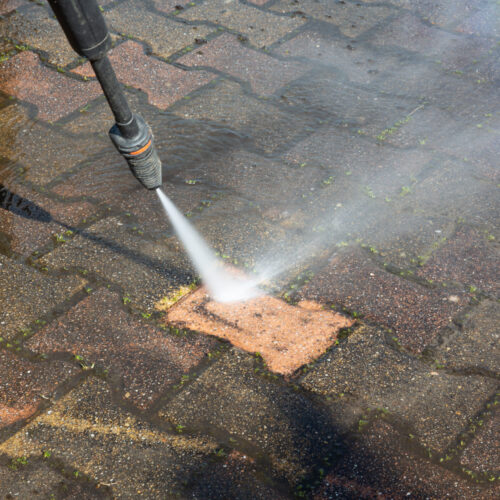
x=370 y=131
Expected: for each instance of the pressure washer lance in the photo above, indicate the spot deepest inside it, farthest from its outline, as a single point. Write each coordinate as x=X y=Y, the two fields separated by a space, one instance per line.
x=86 y=30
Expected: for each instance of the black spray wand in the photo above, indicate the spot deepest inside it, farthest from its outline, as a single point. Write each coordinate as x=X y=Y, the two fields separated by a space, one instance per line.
x=86 y=30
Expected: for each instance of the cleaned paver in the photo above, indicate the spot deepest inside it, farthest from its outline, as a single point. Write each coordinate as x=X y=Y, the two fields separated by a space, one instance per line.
x=286 y=336
x=433 y=405
x=27 y=295
x=24 y=77
x=145 y=359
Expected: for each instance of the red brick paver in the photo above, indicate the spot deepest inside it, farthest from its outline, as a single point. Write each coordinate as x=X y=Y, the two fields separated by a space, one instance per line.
x=469 y=258
x=415 y=313
x=23 y=382
x=55 y=95
x=286 y=336
x=145 y=359
x=164 y=84
x=226 y=54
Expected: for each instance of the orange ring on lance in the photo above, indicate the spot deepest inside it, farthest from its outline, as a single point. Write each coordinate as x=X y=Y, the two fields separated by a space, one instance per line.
x=139 y=151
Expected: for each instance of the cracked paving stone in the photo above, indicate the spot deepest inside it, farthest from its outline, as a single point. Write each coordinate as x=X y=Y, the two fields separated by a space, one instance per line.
x=284 y=424
x=55 y=95
x=265 y=325
x=38 y=29
x=469 y=257
x=357 y=63
x=164 y=84
x=22 y=383
x=145 y=270
x=475 y=345
x=165 y=36
x=37 y=480
x=89 y=433
x=378 y=464
x=143 y=358
x=350 y=19
x=32 y=220
x=265 y=124
x=27 y=295
x=41 y=151
x=226 y=54
x=414 y=313
x=435 y=406
x=260 y=27
x=483 y=452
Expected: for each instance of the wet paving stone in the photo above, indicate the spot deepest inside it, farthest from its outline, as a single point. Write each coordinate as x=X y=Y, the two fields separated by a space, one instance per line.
x=164 y=84
x=260 y=27
x=350 y=19
x=36 y=479
x=482 y=453
x=356 y=62
x=36 y=28
x=22 y=383
x=36 y=151
x=230 y=395
x=30 y=220
x=144 y=359
x=28 y=295
x=9 y=5
x=165 y=36
x=414 y=313
x=452 y=50
x=265 y=325
x=266 y=125
x=226 y=54
x=469 y=257
x=54 y=94
x=145 y=270
x=89 y=433
x=380 y=465
x=475 y=345
x=433 y=405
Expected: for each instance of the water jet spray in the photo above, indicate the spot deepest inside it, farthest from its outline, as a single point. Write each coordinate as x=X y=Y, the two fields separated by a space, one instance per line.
x=86 y=30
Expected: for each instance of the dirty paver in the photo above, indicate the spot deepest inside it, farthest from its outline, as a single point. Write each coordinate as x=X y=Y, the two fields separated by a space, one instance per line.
x=145 y=359
x=345 y=151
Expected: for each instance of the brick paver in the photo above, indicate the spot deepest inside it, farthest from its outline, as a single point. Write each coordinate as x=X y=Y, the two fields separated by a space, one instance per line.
x=37 y=28
x=166 y=37
x=265 y=325
x=22 y=383
x=145 y=359
x=28 y=295
x=433 y=405
x=259 y=27
x=23 y=76
x=347 y=17
x=164 y=84
x=414 y=313
x=226 y=54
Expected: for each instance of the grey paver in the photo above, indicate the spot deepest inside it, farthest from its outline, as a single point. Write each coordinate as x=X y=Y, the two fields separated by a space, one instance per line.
x=436 y=405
